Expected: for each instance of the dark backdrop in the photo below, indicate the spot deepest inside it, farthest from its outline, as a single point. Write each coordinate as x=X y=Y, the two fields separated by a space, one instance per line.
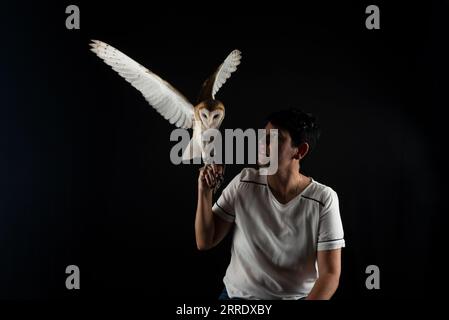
x=85 y=172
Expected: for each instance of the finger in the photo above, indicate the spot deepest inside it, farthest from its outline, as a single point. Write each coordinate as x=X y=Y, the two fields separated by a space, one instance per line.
x=203 y=180
x=207 y=181
x=215 y=171
x=211 y=177
x=210 y=168
x=206 y=171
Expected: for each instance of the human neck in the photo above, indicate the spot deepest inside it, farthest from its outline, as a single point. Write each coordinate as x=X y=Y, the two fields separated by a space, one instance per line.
x=286 y=183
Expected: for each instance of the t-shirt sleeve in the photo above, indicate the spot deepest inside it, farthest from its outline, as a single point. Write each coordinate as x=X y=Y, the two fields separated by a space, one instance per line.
x=224 y=207
x=330 y=231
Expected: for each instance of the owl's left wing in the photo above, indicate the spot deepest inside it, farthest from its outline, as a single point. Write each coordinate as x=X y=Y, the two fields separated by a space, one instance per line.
x=223 y=73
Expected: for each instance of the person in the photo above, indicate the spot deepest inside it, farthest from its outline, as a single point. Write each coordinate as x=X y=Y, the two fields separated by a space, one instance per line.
x=288 y=232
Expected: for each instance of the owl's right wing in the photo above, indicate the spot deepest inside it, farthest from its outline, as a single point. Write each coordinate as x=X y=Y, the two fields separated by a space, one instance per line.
x=168 y=101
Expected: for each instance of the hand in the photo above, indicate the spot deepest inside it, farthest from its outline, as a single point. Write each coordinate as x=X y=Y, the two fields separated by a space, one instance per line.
x=210 y=177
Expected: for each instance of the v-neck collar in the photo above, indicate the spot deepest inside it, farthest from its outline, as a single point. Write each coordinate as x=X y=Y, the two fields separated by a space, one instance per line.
x=293 y=200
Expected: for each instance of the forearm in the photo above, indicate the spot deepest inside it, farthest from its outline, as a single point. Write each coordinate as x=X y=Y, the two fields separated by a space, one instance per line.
x=324 y=287
x=204 y=220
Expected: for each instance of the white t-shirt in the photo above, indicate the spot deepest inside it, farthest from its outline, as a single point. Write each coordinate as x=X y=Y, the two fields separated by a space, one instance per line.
x=275 y=245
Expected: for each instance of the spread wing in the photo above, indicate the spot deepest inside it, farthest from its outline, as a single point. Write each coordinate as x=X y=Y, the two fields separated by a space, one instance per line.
x=168 y=101
x=223 y=73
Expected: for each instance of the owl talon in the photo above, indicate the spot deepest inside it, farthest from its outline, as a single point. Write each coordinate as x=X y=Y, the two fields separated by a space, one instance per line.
x=219 y=179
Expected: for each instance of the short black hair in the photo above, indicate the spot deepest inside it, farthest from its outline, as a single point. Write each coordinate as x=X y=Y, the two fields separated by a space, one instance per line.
x=301 y=126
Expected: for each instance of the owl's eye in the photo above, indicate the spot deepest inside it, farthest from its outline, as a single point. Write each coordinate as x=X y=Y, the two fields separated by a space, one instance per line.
x=215 y=116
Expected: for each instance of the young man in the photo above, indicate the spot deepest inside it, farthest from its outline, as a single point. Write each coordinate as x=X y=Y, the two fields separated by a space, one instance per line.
x=288 y=233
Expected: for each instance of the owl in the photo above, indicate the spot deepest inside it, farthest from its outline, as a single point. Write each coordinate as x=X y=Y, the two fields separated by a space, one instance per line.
x=170 y=103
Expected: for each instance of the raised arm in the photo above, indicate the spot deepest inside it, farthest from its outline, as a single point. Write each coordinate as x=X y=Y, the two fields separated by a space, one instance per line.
x=209 y=228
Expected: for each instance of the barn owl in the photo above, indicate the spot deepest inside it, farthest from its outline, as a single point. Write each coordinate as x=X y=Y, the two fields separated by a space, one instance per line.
x=169 y=102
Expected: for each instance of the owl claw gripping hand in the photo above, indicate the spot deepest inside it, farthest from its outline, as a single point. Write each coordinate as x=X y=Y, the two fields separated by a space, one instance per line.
x=211 y=176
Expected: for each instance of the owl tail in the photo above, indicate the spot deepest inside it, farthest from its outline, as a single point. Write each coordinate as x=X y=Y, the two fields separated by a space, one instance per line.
x=193 y=150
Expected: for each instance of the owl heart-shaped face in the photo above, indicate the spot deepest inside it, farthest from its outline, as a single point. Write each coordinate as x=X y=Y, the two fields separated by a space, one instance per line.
x=211 y=119
x=211 y=114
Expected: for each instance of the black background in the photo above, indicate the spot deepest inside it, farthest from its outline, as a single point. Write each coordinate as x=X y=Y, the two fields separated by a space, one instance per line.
x=85 y=172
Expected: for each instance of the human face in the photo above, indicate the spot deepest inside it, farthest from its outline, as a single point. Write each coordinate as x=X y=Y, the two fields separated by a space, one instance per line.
x=286 y=152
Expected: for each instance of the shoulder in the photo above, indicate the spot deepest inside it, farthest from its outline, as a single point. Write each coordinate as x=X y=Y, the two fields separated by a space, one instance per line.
x=247 y=177
x=321 y=193
x=251 y=175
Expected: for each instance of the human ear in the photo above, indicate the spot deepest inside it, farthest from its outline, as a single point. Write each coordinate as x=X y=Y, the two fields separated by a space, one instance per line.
x=302 y=150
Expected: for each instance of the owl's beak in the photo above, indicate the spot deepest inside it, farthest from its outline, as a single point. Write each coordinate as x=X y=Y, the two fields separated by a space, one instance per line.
x=210 y=123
